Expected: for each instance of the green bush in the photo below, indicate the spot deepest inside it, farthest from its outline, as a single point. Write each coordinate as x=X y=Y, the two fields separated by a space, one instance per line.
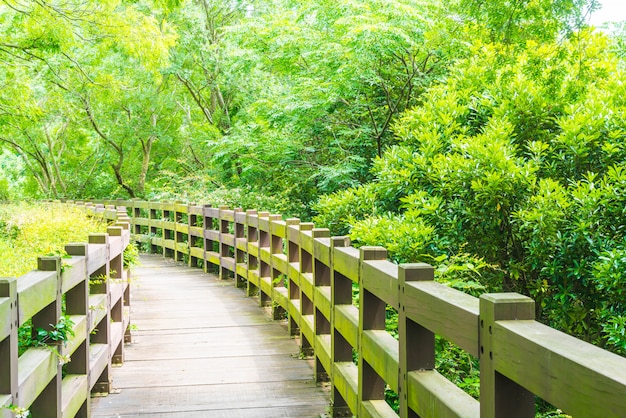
x=515 y=163
x=29 y=230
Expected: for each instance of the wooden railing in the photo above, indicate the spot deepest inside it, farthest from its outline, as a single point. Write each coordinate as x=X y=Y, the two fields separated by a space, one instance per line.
x=310 y=277
x=91 y=288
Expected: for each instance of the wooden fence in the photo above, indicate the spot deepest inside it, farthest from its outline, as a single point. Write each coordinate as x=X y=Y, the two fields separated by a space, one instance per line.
x=91 y=288
x=304 y=273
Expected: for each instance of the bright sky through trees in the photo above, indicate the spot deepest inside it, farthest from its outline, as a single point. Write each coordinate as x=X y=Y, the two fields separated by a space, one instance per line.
x=611 y=11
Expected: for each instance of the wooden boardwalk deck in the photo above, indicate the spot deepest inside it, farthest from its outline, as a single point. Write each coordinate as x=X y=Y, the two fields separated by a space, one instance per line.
x=202 y=349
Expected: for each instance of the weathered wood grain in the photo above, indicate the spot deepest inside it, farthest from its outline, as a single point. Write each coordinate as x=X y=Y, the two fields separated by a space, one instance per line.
x=201 y=349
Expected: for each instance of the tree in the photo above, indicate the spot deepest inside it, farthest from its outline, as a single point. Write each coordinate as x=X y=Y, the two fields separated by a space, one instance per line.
x=53 y=52
x=518 y=161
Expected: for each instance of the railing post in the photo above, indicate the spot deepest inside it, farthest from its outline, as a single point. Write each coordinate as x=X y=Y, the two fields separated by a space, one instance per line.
x=372 y=314
x=178 y=235
x=321 y=277
x=8 y=342
x=49 y=402
x=341 y=350
x=153 y=221
x=500 y=396
x=224 y=273
x=293 y=276
x=77 y=303
x=169 y=230
x=253 y=259
x=307 y=309
x=116 y=272
x=276 y=247
x=102 y=334
x=265 y=268
x=416 y=343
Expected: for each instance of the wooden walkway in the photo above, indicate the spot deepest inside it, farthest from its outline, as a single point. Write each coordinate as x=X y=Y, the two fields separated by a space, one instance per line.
x=202 y=349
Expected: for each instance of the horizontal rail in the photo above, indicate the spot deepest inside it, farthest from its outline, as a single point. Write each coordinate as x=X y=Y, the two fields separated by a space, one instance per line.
x=313 y=279
x=91 y=288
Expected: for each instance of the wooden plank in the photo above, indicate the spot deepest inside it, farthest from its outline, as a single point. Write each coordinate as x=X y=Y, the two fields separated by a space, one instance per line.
x=117 y=334
x=227 y=263
x=280 y=296
x=322 y=350
x=35 y=291
x=115 y=246
x=377 y=409
x=322 y=300
x=293 y=309
x=266 y=285
x=306 y=241
x=293 y=233
x=5 y=317
x=346 y=321
x=263 y=400
x=74 y=392
x=37 y=367
x=380 y=277
x=380 y=350
x=242 y=244
x=195 y=210
x=181 y=207
x=116 y=290
x=253 y=248
x=444 y=311
x=346 y=262
x=196 y=231
x=74 y=272
x=278 y=228
x=182 y=228
x=306 y=284
x=141 y=221
x=197 y=252
x=265 y=254
x=228 y=239
x=346 y=380
x=98 y=309
x=241 y=217
x=577 y=377
x=96 y=257
x=203 y=349
x=5 y=402
x=80 y=333
x=98 y=360
x=432 y=396
x=279 y=262
x=219 y=342
x=242 y=269
x=227 y=215
x=293 y=271
x=307 y=327
x=321 y=249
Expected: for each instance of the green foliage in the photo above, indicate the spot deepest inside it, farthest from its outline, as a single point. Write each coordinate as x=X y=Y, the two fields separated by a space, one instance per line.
x=406 y=240
x=56 y=335
x=536 y=19
x=510 y=176
x=610 y=284
x=18 y=411
x=131 y=255
x=340 y=210
x=31 y=230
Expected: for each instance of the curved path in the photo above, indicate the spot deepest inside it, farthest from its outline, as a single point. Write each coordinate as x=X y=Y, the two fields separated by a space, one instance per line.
x=202 y=349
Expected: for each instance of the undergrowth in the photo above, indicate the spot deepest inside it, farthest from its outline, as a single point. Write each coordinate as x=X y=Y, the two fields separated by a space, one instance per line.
x=29 y=230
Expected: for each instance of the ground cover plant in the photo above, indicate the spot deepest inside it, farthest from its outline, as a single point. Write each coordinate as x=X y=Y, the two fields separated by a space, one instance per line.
x=30 y=230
